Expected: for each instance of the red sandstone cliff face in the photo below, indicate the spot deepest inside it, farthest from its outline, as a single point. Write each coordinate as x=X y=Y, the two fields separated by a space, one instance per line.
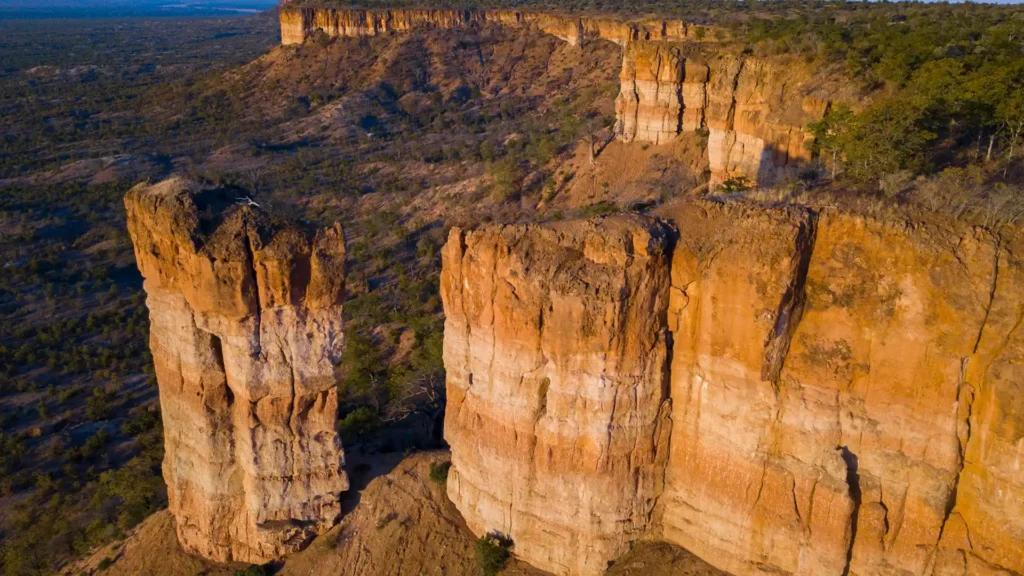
x=298 y=23
x=845 y=394
x=246 y=334
x=754 y=111
x=555 y=346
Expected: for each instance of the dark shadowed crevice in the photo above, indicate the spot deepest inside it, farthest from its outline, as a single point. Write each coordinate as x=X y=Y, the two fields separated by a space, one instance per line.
x=853 y=481
x=791 y=308
x=217 y=352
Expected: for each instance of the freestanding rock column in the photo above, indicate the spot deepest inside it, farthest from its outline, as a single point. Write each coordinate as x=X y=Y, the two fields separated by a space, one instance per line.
x=246 y=335
x=555 y=347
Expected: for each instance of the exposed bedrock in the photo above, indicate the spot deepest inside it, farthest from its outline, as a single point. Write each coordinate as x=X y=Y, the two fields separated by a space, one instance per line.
x=555 y=347
x=246 y=335
x=297 y=23
x=755 y=111
x=844 y=396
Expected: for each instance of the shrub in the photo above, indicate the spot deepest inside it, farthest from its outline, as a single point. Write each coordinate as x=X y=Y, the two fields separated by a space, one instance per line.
x=105 y=563
x=357 y=422
x=253 y=571
x=439 y=471
x=602 y=208
x=735 y=185
x=493 y=552
x=508 y=179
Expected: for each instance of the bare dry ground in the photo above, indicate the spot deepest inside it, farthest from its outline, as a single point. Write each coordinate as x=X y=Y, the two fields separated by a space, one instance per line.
x=402 y=523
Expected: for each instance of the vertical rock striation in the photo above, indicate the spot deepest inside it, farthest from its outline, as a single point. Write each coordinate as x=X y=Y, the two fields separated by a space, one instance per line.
x=298 y=23
x=844 y=394
x=246 y=335
x=555 y=347
x=738 y=492
x=754 y=111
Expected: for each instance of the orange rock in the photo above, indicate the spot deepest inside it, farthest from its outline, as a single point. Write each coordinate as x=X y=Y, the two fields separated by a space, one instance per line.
x=744 y=103
x=246 y=335
x=555 y=347
x=297 y=23
x=845 y=393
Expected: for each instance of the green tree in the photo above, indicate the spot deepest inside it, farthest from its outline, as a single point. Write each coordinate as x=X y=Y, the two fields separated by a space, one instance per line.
x=886 y=137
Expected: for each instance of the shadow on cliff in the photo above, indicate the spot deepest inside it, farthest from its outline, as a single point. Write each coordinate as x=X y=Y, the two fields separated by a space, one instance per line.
x=379 y=455
x=362 y=468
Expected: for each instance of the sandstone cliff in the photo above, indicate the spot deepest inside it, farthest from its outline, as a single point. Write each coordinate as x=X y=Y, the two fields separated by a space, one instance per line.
x=246 y=335
x=845 y=393
x=555 y=346
x=755 y=112
x=297 y=23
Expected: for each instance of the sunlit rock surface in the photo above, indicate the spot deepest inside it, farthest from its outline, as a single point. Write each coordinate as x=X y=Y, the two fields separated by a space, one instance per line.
x=555 y=348
x=844 y=395
x=246 y=335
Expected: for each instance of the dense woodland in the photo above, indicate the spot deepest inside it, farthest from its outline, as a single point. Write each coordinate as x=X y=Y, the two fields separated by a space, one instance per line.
x=90 y=107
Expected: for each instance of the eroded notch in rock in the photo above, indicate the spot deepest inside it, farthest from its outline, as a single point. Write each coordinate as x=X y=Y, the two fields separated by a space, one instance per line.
x=791 y=307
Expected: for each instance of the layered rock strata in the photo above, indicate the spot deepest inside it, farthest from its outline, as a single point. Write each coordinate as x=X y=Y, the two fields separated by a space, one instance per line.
x=555 y=348
x=846 y=394
x=297 y=23
x=755 y=112
x=246 y=335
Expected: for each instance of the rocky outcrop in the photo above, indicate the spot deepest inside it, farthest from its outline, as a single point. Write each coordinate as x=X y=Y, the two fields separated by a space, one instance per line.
x=246 y=335
x=662 y=93
x=755 y=112
x=297 y=23
x=555 y=349
x=845 y=393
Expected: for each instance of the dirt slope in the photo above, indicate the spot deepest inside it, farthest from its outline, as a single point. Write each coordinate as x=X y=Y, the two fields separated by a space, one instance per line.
x=402 y=524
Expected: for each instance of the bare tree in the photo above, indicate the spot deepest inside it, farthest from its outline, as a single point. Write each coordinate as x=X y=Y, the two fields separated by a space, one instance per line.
x=253 y=175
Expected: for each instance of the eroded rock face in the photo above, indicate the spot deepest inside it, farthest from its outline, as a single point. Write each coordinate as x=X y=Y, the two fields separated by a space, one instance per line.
x=555 y=348
x=754 y=111
x=824 y=379
x=662 y=93
x=845 y=393
x=734 y=494
x=298 y=23
x=246 y=335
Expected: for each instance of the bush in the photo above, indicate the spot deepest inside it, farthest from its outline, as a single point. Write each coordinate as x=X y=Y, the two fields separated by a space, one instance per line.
x=508 y=179
x=253 y=571
x=105 y=563
x=493 y=552
x=439 y=471
x=601 y=208
x=358 y=422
